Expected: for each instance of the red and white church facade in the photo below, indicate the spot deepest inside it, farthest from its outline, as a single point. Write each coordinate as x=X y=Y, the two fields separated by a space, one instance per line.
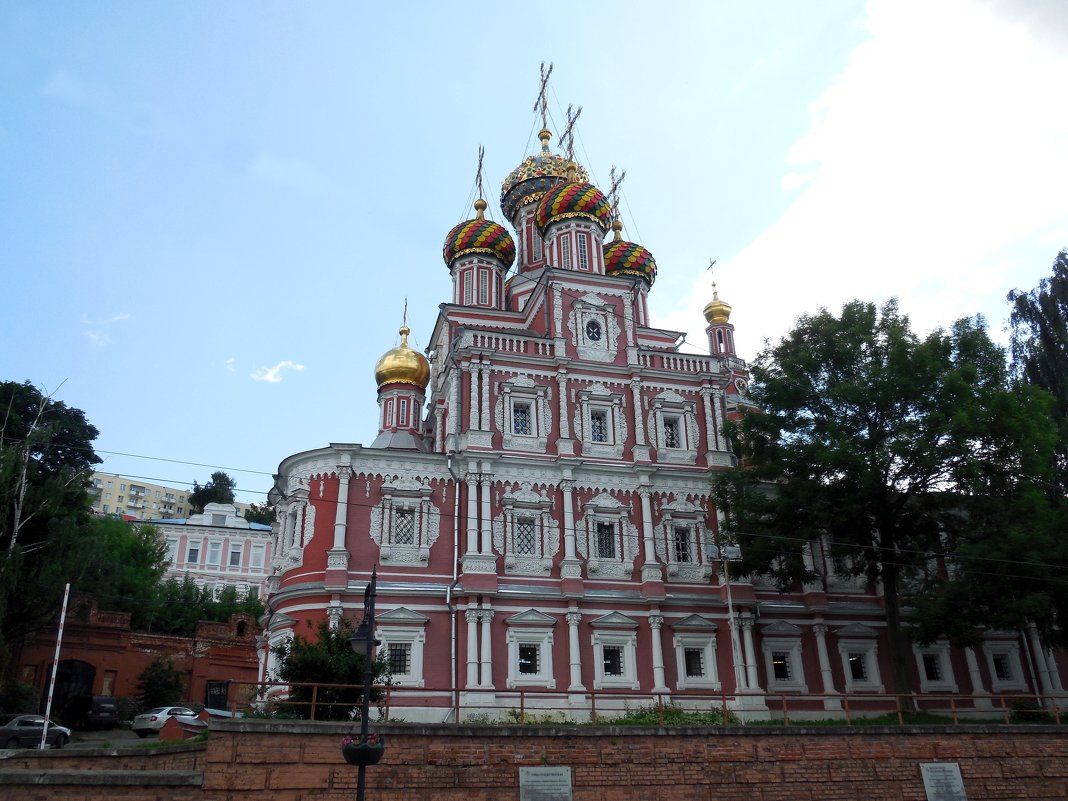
x=537 y=503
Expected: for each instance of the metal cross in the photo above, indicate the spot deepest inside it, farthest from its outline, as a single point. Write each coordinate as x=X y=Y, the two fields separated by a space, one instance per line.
x=568 y=136
x=541 y=101
x=613 y=192
x=478 y=175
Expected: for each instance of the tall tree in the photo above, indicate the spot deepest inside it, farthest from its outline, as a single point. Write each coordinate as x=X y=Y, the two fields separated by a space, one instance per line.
x=219 y=489
x=260 y=513
x=1039 y=328
x=865 y=439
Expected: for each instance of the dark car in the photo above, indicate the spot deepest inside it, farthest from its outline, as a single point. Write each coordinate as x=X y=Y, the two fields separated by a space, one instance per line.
x=90 y=712
x=24 y=731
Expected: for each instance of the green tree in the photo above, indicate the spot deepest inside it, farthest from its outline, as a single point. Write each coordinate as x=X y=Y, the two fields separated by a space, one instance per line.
x=260 y=513
x=328 y=659
x=870 y=438
x=127 y=567
x=160 y=684
x=219 y=489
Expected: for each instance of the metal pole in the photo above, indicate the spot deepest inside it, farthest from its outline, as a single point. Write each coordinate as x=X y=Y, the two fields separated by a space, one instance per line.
x=55 y=667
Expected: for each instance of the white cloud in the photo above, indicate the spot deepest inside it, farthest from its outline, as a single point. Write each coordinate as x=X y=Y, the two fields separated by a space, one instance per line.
x=230 y=364
x=933 y=170
x=98 y=338
x=273 y=375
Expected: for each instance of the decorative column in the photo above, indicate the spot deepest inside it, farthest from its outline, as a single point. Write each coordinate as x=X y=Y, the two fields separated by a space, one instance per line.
x=574 y=655
x=561 y=383
x=341 y=515
x=750 y=653
x=642 y=452
x=976 y=679
x=568 y=489
x=826 y=677
x=439 y=433
x=333 y=614
x=472 y=372
x=486 y=681
x=651 y=570
x=1039 y=659
x=711 y=434
x=454 y=403
x=1054 y=674
x=485 y=422
x=656 y=621
x=717 y=415
x=472 y=513
x=472 y=616
x=486 y=523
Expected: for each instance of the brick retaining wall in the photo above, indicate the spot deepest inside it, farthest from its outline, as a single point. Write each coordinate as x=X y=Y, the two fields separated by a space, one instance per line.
x=301 y=761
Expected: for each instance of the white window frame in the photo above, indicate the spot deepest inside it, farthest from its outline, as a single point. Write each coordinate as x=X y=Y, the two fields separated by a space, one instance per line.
x=1011 y=650
x=565 y=250
x=583 y=249
x=483 y=287
x=628 y=641
x=869 y=651
x=190 y=547
x=940 y=651
x=239 y=551
x=540 y=636
x=257 y=556
x=466 y=279
x=707 y=643
x=405 y=635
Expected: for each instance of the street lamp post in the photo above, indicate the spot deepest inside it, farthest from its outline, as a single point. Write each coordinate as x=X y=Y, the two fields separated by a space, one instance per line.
x=364 y=639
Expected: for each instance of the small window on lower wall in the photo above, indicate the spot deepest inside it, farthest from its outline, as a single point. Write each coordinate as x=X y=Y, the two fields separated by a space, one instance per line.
x=1003 y=662
x=781 y=645
x=935 y=668
x=530 y=650
x=403 y=646
x=695 y=657
x=860 y=663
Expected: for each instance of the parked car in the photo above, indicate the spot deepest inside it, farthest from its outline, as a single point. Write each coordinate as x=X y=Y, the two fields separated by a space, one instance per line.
x=24 y=731
x=91 y=712
x=152 y=720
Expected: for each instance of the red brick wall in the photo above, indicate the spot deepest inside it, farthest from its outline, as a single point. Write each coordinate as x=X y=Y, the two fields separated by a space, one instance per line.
x=259 y=760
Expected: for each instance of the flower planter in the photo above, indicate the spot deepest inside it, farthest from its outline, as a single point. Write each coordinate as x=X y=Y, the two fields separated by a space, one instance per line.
x=364 y=753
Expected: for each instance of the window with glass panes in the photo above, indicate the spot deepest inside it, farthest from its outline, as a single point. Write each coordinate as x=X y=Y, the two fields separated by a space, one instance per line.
x=565 y=252
x=525 y=536
x=606 y=541
x=583 y=253
x=483 y=287
x=932 y=667
x=1002 y=667
x=672 y=434
x=858 y=666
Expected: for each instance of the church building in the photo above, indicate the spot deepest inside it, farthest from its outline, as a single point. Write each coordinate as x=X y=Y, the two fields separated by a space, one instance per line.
x=537 y=502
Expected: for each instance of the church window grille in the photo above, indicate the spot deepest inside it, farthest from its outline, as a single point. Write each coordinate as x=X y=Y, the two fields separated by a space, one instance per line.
x=683 y=544
x=467 y=287
x=521 y=418
x=695 y=662
x=400 y=658
x=565 y=252
x=529 y=659
x=613 y=660
x=780 y=665
x=583 y=253
x=672 y=433
x=593 y=331
x=932 y=667
x=599 y=426
x=525 y=536
x=403 y=415
x=483 y=287
x=404 y=527
x=537 y=245
x=606 y=541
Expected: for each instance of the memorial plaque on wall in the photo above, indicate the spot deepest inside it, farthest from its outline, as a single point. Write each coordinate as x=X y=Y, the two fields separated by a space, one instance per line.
x=942 y=781
x=545 y=784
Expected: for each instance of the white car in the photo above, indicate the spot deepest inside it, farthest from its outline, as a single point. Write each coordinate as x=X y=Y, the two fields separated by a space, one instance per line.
x=152 y=720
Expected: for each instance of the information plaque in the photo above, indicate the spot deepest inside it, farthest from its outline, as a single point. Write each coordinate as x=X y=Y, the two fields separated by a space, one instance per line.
x=942 y=781
x=545 y=784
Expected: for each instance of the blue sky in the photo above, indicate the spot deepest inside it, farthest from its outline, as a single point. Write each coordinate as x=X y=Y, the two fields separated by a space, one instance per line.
x=211 y=213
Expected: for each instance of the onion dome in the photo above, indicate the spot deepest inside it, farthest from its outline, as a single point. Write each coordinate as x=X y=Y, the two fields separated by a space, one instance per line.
x=534 y=177
x=575 y=199
x=479 y=236
x=627 y=258
x=717 y=311
x=402 y=365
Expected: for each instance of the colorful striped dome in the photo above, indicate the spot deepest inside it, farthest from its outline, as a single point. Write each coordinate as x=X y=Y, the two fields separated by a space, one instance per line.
x=534 y=177
x=627 y=258
x=573 y=200
x=479 y=236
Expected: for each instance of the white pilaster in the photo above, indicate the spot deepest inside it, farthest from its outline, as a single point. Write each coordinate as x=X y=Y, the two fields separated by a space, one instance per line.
x=574 y=654
x=751 y=680
x=656 y=621
x=341 y=515
x=567 y=490
x=1039 y=659
x=486 y=523
x=486 y=679
x=472 y=616
x=472 y=514
x=484 y=423
x=826 y=677
x=561 y=383
x=473 y=403
x=976 y=679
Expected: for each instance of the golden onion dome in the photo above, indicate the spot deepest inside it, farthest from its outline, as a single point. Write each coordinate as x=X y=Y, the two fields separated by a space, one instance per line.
x=402 y=365
x=717 y=311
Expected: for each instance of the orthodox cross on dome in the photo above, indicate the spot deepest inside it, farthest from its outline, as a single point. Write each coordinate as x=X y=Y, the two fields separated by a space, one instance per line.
x=404 y=318
x=478 y=175
x=613 y=191
x=542 y=101
x=567 y=138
